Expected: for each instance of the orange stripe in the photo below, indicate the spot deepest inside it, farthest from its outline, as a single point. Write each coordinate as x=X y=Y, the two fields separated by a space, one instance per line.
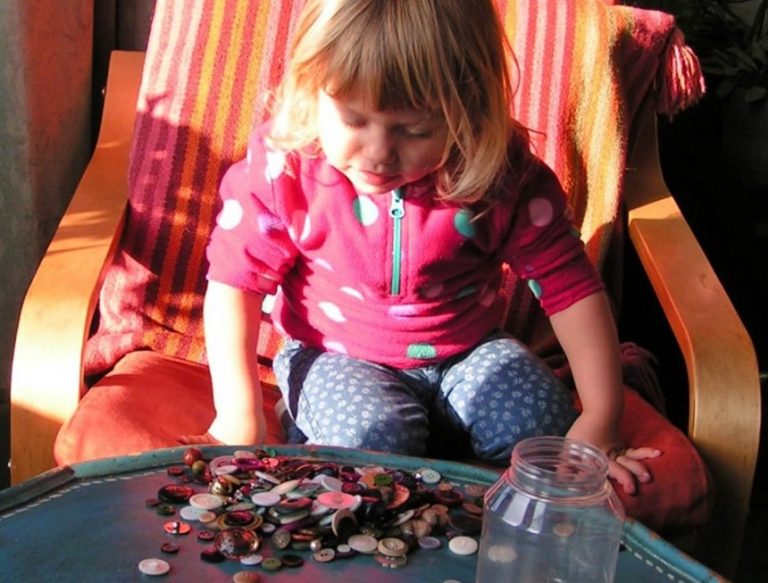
x=215 y=107
x=171 y=259
x=229 y=129
x=602 y=129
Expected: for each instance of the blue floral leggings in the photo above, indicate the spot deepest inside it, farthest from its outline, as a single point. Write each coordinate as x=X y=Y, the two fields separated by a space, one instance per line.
x=496 y=394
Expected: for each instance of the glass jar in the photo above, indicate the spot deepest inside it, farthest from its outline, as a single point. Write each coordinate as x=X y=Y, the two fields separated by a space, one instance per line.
x=551 y=517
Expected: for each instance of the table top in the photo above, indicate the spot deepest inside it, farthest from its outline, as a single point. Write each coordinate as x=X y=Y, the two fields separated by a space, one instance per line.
x=90 y=522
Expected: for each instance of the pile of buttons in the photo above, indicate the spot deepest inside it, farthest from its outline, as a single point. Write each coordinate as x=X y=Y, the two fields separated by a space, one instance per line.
x=265 y=509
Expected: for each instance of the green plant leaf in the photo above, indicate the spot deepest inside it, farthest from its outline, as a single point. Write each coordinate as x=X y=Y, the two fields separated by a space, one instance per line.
x=755 y=94
x=725 y=87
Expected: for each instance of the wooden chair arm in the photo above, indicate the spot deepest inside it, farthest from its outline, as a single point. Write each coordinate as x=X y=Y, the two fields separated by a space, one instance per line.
x=724 y=414
x=47 y=370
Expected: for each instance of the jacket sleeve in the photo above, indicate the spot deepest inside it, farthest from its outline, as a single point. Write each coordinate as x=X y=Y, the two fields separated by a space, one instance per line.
x=250 y=247
x=543 y=247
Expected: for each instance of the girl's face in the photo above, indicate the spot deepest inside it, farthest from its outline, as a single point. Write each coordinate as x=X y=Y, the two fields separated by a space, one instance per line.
x=379 y=151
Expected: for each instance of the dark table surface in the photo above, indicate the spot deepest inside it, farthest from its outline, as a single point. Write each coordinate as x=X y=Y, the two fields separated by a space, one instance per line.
x=90 y=522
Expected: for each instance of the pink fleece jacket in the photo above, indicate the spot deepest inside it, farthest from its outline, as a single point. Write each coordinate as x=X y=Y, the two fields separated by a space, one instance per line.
x=401 y=279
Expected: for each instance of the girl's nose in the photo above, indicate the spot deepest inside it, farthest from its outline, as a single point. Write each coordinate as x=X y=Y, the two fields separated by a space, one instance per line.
x=380 y=147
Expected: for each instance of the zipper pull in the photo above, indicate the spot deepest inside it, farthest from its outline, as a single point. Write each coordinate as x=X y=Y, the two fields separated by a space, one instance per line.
x=397 y=212
x=397 y=207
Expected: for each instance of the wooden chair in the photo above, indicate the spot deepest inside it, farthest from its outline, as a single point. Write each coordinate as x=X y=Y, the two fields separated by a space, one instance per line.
x=65 y=307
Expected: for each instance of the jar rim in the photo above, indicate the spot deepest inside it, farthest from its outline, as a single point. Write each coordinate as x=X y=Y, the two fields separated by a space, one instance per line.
x=560 y=466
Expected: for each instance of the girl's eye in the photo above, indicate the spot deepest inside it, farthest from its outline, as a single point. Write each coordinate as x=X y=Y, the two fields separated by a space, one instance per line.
x=418 y=133
x=353 y=122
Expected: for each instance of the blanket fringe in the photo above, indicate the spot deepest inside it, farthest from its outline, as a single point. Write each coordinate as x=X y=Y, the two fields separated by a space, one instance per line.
x=681 y=81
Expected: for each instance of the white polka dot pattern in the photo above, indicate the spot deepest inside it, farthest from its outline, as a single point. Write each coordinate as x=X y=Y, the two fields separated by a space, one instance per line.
x=231 y=215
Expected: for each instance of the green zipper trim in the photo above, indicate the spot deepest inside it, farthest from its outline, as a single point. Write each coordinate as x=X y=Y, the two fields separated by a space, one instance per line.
x=397 y=212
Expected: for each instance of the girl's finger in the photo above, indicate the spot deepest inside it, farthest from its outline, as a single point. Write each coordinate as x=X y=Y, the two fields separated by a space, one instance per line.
x=641 y=453
x=623 y=476
x=636 y=468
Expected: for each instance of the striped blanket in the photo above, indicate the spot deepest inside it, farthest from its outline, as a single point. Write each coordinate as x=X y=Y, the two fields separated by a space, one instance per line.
x=584 y=66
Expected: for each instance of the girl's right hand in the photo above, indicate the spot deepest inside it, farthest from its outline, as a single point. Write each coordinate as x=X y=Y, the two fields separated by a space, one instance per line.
x=204 y=439
x=238 y=429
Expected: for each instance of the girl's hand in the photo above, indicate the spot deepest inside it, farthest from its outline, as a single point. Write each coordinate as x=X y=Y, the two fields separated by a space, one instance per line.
x=626 y=467
x=625 y=464
x=204 y=439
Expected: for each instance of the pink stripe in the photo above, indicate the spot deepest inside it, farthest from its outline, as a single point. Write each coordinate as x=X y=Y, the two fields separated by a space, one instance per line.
x=559 y=93
x=175 y=70
x=522 y=44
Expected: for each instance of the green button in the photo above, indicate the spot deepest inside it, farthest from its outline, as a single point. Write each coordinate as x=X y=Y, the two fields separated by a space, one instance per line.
x=272 y=564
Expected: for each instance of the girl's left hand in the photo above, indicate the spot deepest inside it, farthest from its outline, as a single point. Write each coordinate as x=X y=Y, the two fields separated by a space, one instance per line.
x=625 y=464
x=626 y=467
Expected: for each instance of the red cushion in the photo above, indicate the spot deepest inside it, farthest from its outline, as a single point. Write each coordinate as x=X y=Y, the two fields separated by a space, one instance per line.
x=149 y=399
x=146 y=402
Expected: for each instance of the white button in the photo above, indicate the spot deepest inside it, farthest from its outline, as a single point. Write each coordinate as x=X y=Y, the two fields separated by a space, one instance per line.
x=206 y=501
x=253 y=559
x=265 y=498
x=192 y=513
x=225 y=470
x=463 y=545
x=429 y=476
x=154 y=567
x=363 y=543
x=329 y=482
x=285 y=487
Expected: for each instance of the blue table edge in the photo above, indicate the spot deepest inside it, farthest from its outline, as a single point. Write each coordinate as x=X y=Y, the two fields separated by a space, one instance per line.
x=636 y=537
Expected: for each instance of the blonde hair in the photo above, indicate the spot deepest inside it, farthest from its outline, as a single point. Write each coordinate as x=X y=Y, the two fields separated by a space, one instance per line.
x=448 y=56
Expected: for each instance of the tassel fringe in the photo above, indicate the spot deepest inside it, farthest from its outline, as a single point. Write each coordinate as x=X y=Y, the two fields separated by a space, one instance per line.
x=681 y=82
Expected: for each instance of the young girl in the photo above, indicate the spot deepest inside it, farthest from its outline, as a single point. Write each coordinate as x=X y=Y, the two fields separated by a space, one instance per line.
x=380 y=203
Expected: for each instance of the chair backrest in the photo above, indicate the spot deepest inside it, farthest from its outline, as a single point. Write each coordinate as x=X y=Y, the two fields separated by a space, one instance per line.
x=584 y=68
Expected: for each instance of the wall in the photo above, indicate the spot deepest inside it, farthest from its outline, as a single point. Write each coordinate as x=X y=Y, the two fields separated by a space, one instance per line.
x=53 y=66
x=45 y=125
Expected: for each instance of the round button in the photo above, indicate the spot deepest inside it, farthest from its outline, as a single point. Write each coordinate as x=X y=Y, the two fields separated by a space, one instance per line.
x=392 y=547
x=329 y=482
x=475 y=490
x=192 y=513
x=430 y=543
x=154 y=567
x=170 y=548
x=206 y=501
x=217 y=462
x=265 y=498
x=177 y=527
x=390 y=562
x=345 y=550
x=291 y=560
x=236 y=542
x=463 y=545
x=281 y=538
x=564 y=529
x=265 y=477
x=246 y=577
x=382 y=479
x=429 y=476
x=225 y=470
x=175 y=493
x=252 y=559
x=206 y=535
x=166 y=509
x=324 y=555
x=336 y=500
x=211 y=555
x=285 y=487
x=272 y=564
x=362 y=543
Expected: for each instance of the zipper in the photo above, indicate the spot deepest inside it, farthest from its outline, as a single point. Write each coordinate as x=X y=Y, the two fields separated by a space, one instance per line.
x=397 y=212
